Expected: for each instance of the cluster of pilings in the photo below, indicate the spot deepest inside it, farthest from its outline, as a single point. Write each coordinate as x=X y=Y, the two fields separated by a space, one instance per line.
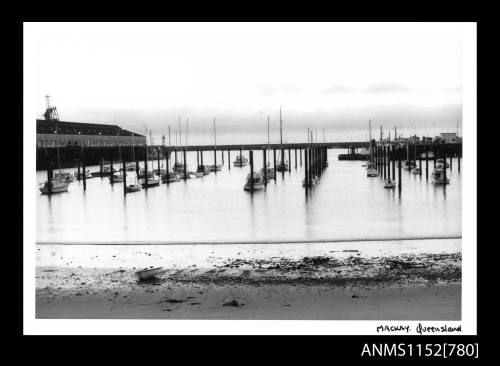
x=316 y=158
x=388 y=158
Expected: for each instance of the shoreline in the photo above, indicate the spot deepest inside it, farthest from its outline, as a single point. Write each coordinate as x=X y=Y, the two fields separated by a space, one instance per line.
x=341 y=282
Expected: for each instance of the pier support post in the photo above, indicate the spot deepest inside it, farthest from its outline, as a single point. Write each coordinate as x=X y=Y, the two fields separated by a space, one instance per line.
x=78 y=164
x=229 y=159
x=384 y=152
x=444 y=165
x=167 y=167
x=125 y=178
x=420 y=163
x=175 y=157
x=295 y=159
x=185 y=164
x=111 y=177
x=389 y=162
x=289 y=161
x=451 y=161
x=300 y=153
x=137 y=169
x=146 y=172
x=222 y=156
x=434 y=153
x=274 y=158
x=101 y=163
x=215 y=160
x=159 y=174
x=201 y=156
x=459 y=155
x=426 y=164
x=251 y=171
x=84 y=171
x=399 y=168
x=393 y=164
x=306 y=170
x=197 y=158
x=264 y=151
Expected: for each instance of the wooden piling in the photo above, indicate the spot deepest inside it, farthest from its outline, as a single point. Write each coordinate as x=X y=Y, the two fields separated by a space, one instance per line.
x=426 y=164
x=215 y=160
x=158 y=155
x=84 y=171
x=264 y=151
x=229 y=159
x=388 y=154
x=274 y=158
x=444 y=165
x=146 y=172
x=451 y=161
x=251 y=171
x=306 y=170
x=383 y=160
x=393 y=164
x=78 y=164
x=459 y=154
x=101 y=163
x=201 y=156
x=295 y=159
x=111 y=177
x=289 y=160
x=420 y=163
x=125 y=178
x=300 y=153
x=434 y=153
x=185 y=164
x=175 y=157
x=168 y=170
x=137 y=168
x=197 y=158
x=399 y=168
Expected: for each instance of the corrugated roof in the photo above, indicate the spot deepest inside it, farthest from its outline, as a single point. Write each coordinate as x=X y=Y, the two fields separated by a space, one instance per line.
x=75 y=128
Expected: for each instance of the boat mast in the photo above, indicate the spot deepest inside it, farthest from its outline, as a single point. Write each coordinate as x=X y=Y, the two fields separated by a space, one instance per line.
x=268 y=138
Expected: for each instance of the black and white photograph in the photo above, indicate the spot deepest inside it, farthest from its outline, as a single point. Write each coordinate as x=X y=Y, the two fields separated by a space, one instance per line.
x=259 y=171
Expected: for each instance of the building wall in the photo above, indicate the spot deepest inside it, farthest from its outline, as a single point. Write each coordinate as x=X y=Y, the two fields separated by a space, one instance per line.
x=54 y=140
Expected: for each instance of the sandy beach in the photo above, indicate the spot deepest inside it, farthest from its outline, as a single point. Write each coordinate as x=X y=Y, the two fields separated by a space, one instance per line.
x=401 y=280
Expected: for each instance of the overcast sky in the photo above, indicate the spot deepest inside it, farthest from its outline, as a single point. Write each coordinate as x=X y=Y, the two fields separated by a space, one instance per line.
x=332 y=76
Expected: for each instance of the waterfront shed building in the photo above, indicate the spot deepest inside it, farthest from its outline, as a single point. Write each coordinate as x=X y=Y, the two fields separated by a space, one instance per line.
x=53 y=133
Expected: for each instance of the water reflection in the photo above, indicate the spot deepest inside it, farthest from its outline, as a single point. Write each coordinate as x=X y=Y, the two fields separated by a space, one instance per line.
x=344 y=205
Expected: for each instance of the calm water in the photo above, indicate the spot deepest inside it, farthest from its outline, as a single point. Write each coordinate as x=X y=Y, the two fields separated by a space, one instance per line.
x=345 y=205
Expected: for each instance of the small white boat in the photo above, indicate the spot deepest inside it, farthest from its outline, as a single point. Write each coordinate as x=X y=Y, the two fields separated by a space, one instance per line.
x=258 y=182
x=178 y=167
x=133 y=184
x=198 y=174
x=56 y=186
x=270 y=173
x=409 y=165
x=240 y=161
x=170 y=178
x=371 y=170
x=389 y=184
x=440 y=163
x=438 y=177
x=416 y=170
x=88 y=174
x=150 y=272
x=282 y=166
x=204 y=169
x=106 y=171
x=215 y=168
x=152 y=181
x=67 y=176
x=117 y=177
